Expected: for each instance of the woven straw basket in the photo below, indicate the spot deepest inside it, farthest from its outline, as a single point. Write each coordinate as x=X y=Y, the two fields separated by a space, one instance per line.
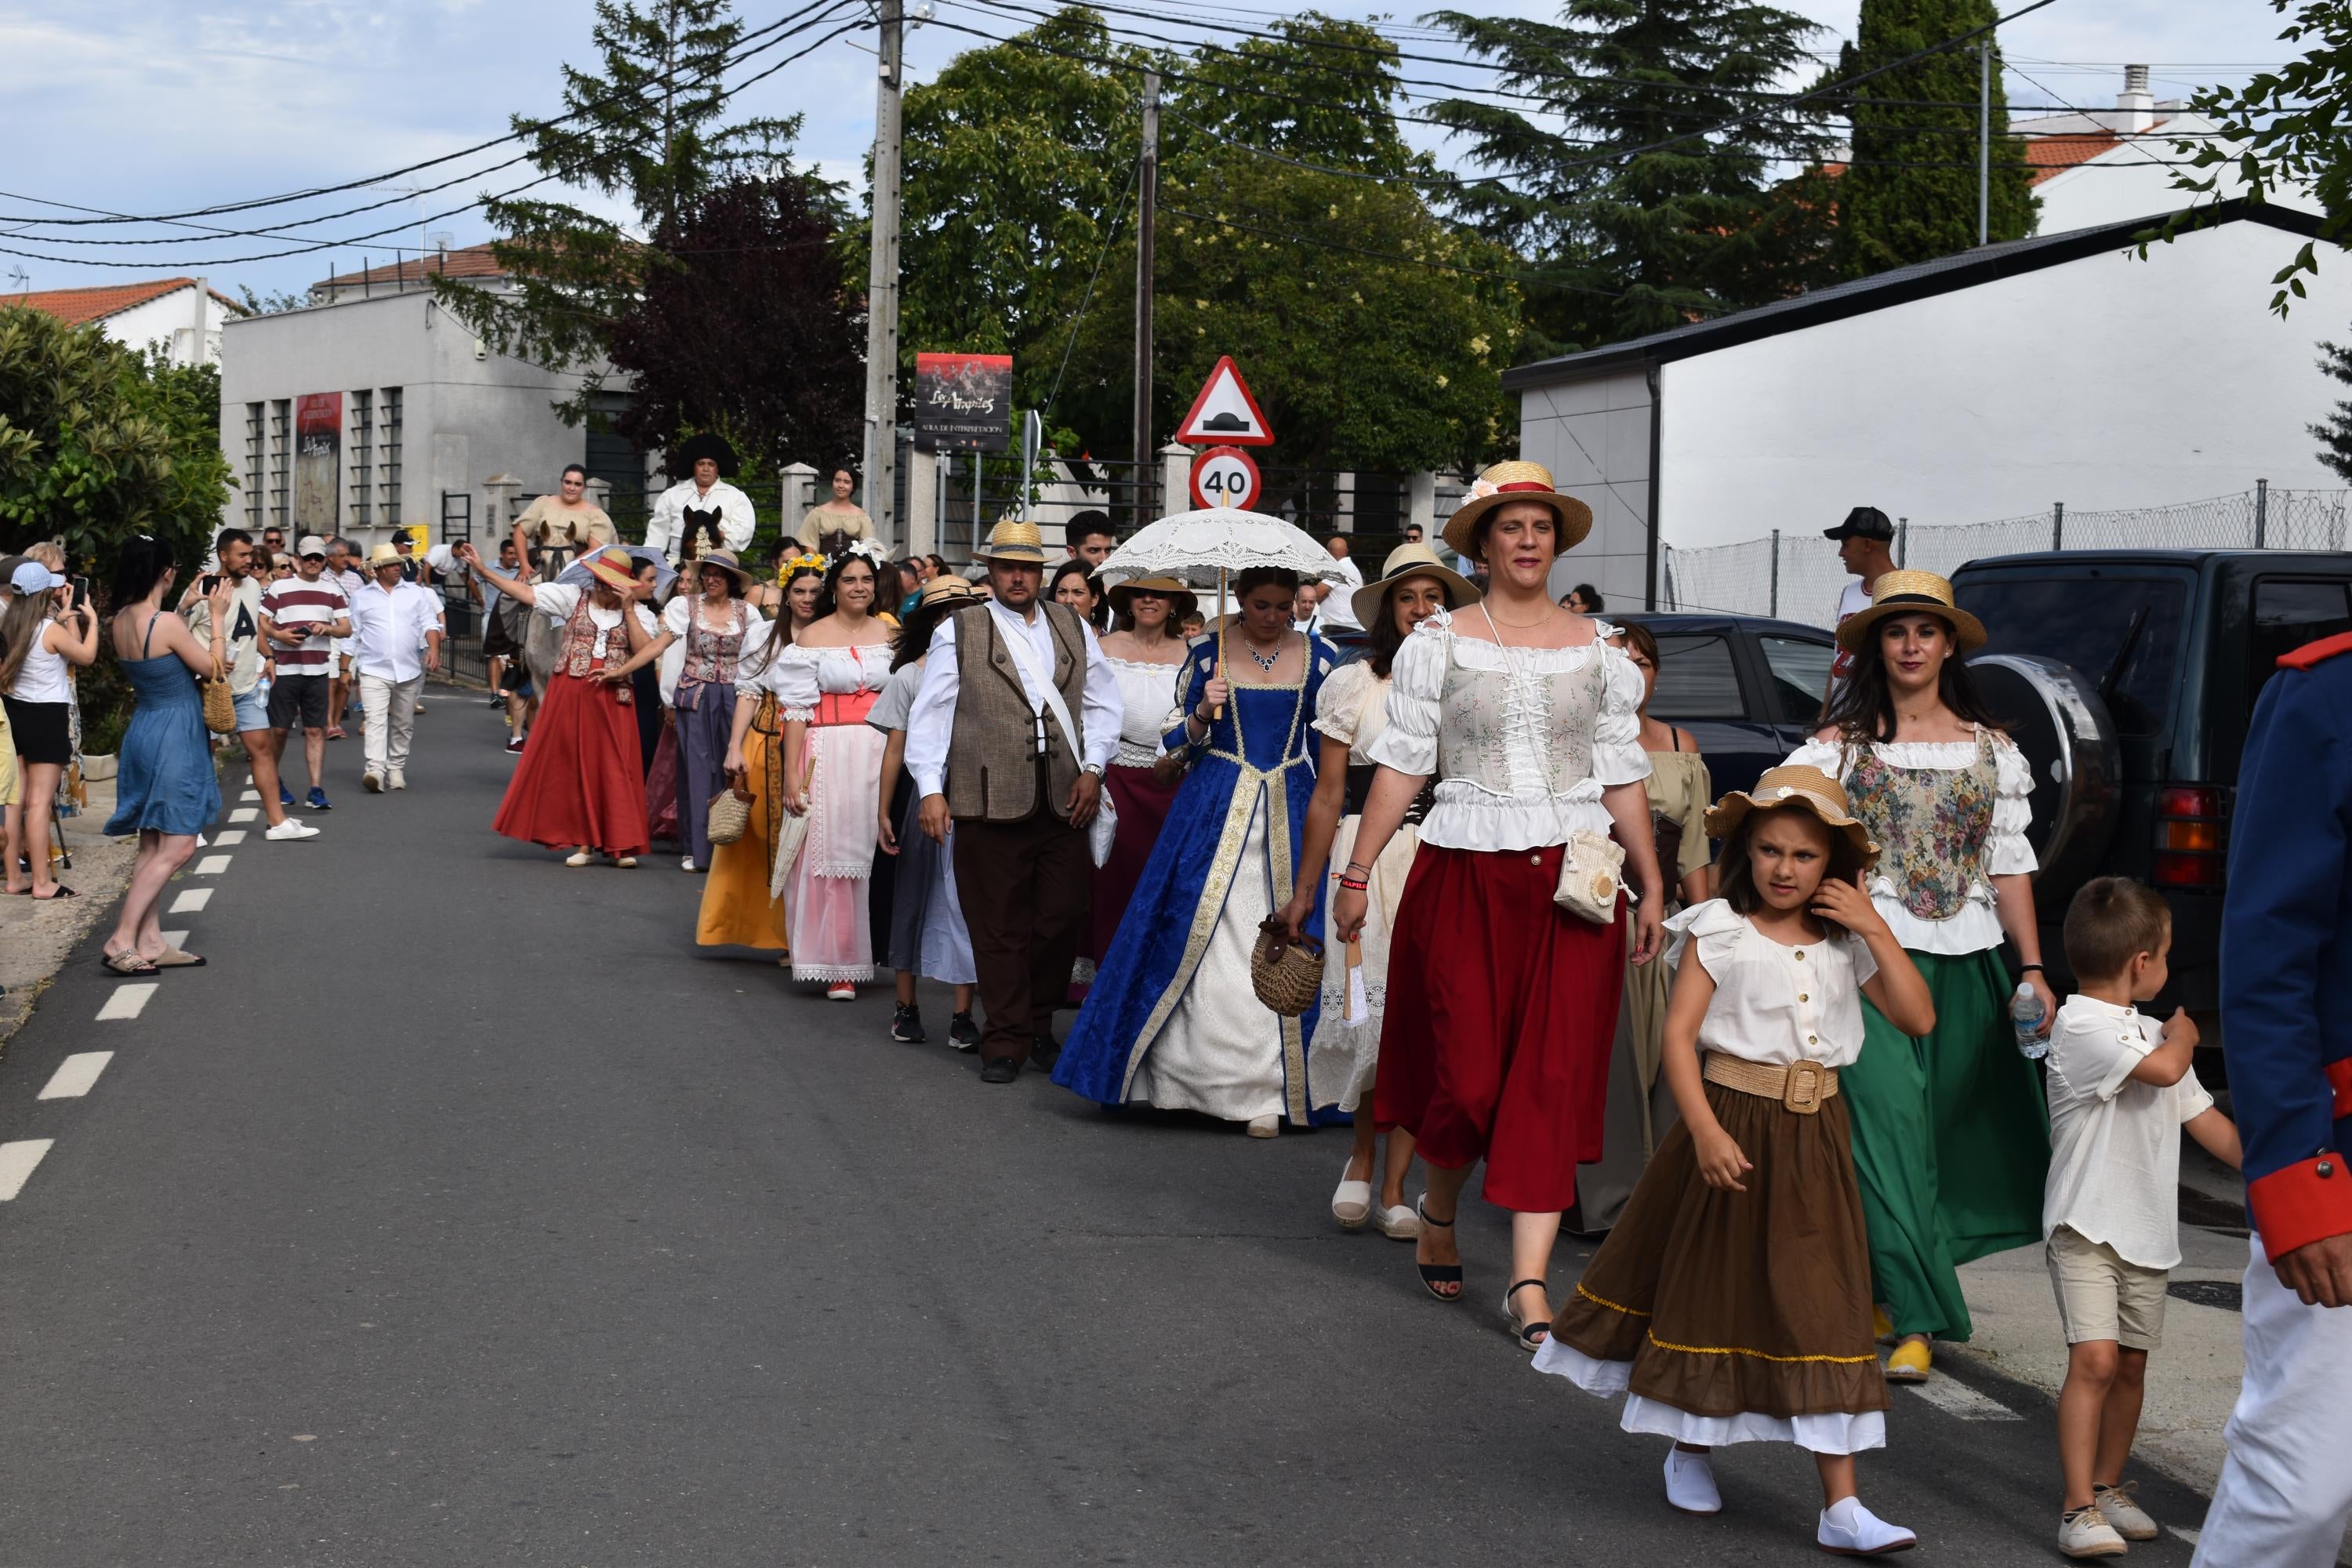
x=1286 y=974
x=731 y=814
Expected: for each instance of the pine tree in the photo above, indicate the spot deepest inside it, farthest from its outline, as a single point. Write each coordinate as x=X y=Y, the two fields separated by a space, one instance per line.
x=2334 y=432
x=1654 y=203
x=1910 y=194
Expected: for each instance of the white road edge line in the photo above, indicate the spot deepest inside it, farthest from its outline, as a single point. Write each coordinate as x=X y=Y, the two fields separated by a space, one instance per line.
x=191 y=902
x=75 y=1075
x=213 y=865
x=17 y=1162
x=245 y=813
x=128 y=1001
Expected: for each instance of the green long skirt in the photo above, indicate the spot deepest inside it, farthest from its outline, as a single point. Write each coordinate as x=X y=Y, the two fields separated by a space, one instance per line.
x=1951 y=1142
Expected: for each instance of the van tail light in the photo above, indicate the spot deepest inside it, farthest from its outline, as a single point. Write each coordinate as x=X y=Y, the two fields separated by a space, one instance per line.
x=2191 y=836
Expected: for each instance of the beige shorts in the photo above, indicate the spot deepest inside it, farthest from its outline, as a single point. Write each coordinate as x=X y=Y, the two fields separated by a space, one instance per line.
x=2102 y=1297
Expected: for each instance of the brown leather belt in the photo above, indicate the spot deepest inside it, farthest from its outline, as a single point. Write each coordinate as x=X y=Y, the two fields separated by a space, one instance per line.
x=1800 y=1087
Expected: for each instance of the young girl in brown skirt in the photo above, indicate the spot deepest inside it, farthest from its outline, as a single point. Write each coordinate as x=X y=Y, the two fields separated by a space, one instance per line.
x=1732 y=1301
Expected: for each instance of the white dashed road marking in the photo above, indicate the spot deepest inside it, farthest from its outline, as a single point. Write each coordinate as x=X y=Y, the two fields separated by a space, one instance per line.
x=75 y=1074
x=245 y=813
x=251 y=795
x=175 y=939
x=191 y=902
x=229 y=839
x=1957 y=1399
x=128 y=1001
x=213 y=865
x=17 y=1162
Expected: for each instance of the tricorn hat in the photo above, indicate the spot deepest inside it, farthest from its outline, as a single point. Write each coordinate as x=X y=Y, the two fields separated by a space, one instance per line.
x=687 y=453
x=1516 y=482
x=1908 y=593
x=1797 y=786
x=1014 y=540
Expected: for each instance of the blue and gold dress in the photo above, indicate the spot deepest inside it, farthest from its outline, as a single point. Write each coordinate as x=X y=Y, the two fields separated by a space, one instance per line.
x=1171 y=1020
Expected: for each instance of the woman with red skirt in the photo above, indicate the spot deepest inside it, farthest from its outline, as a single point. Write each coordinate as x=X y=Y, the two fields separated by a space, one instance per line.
x=579 y=785
x=1502 y=1003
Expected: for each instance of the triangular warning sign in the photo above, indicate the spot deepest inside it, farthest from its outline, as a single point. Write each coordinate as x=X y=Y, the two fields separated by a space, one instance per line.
x=1224 y=415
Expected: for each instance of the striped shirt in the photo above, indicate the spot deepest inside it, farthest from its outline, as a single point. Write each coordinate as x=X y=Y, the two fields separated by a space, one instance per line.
x=292 y=604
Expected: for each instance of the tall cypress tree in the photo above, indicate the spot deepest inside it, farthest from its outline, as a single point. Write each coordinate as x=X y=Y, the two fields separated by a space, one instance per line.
x=1910 y=194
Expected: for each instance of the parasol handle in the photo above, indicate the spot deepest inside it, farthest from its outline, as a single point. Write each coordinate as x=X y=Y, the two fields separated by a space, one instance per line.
x=1218 y=711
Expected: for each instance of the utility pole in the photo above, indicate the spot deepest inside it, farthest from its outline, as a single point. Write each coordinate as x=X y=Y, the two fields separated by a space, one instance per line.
x=1146 y=185
x=1984 y=142
x=880 y=469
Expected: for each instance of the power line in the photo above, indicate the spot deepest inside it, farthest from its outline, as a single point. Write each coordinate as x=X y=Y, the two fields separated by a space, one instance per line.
x=1077 y=318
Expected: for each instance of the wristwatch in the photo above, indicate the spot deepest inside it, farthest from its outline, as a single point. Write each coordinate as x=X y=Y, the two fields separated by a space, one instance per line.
x=1093 y=768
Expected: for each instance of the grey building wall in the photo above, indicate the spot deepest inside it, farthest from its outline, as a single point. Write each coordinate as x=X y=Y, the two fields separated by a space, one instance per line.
x=1594 y=436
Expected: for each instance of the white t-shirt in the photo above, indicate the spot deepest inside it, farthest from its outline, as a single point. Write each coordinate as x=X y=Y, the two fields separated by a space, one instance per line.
x=2115 y=1144
x=1854 y=601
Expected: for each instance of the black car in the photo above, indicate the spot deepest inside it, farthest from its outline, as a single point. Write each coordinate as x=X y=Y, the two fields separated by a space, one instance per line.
x=1749 y=689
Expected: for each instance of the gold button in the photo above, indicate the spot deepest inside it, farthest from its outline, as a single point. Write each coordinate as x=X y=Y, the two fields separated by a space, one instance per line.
x=1812 y=1040
x=1800 y=953
x=1802 y=998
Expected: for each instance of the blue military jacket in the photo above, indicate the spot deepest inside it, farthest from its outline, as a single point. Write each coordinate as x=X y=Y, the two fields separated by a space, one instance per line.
x=2286 y=951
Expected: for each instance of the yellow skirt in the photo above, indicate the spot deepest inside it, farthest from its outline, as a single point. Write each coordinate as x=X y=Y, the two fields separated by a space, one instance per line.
x=736 y=908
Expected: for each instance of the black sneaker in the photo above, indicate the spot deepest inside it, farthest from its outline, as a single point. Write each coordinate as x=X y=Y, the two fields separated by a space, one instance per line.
x=1043 y=1052
x=907 y=1025
x=1003 y=1069
x=963 y=1033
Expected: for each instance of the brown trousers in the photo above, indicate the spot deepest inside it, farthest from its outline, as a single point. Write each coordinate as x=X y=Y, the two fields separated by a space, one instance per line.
x=1025 y=887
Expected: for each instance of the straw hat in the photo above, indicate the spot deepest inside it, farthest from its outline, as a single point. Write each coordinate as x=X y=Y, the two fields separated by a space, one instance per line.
x=1794 y=785
x=725 y=560
x=385 y=555
x=1516 y=482
x=609 y=572
x=1906 y=594
x=945 y=588
x=1410 y=561
x=1181 y=600
x=1013 y=540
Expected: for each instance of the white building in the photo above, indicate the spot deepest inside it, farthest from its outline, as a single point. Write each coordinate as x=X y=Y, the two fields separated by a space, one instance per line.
x=2108 y=166
x=1985 y=385
x=180 y=315
x=375 y=407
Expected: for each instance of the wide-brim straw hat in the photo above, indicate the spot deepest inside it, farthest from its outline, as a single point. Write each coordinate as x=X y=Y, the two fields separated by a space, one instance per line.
x=1516 y=482
x=725 y=560
x=385 y=555
x=1794 y=786
x=946 y=587
x=607 y=569
x=1410 y=561
x=1181 y=600
x=1014 y=541
x=1911 y=593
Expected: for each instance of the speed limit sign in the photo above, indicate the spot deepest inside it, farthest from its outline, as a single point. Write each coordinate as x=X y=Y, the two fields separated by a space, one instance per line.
x=1226 y=476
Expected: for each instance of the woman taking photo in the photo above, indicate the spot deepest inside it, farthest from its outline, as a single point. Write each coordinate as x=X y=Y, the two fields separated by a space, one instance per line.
x=1074 y=584
x=1501 y=1002
x=44 y=633
x=1147 y=657
x=1172 y=1019
x=825 y=683
x=166 y=788
x=1350 y=715
x=835 y=523
x=1952 y=1132
x=1640 y=1105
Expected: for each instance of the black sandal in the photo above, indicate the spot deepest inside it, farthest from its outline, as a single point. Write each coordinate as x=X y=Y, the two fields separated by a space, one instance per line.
x=59 y=891
x=1432 y=1275
x=1531 y=1333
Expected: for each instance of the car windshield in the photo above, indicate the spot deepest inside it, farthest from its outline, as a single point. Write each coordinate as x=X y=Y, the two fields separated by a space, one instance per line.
x=2120 y=632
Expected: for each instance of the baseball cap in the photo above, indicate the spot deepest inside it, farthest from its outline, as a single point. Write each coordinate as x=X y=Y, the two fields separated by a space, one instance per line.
x=1863 y=523
x=311 y=544
x=32 y=577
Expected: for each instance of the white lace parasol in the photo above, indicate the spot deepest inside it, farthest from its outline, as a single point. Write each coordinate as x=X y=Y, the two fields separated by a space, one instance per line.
x=1197 y=546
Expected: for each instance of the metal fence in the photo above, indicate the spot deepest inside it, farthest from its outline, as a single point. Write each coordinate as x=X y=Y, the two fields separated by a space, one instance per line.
x=1796 y=576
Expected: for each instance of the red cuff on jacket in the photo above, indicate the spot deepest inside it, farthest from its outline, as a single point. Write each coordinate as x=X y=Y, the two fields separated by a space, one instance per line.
x=2339 y=1078
x=2300 y=1203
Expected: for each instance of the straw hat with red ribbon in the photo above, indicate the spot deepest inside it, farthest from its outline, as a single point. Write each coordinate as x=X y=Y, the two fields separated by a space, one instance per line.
x=1516 y=482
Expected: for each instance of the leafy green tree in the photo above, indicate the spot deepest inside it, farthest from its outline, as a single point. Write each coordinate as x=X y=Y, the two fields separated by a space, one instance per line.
x=1638 y=184
x=647 y=130
x=1910 y=194
x=98 y=443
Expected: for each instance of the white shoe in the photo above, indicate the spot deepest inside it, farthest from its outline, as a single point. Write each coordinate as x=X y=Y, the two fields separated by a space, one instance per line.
x=1850 y=1530
x=1690 y=1483
x=1264 y=1126
x=687 y=864
x=625 y=862
x=2085 y=1533
x=291 y=827
x=1351 y=1205
x=399 y=779
x=372 y=782
x=577 y=857
x=2121 y=1509
x=1398 y=1224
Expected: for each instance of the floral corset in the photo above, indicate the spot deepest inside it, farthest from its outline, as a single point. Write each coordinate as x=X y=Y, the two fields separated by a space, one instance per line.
x=710 y=659
x=1934 y=822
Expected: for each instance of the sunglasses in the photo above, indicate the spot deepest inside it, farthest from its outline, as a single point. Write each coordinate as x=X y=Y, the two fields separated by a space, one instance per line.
x=314 y=558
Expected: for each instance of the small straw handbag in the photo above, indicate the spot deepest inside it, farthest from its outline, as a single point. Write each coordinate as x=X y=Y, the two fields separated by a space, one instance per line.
x=220 y=703
x=1286 y=974
x=731 y=814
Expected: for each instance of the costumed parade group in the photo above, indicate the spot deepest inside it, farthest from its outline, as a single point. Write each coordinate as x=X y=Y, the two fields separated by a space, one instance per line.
x=1762 y=1041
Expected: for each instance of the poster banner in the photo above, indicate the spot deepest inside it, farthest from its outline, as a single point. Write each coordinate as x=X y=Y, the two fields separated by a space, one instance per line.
x=963 y=403
x=318 y=460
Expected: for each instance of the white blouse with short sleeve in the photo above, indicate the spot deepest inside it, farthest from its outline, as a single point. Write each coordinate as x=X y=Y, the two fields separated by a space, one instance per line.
x=1773 y=1003
x=1353 y=706
x=556 y=601
x=801 y=676
x=1521 y=740
x=2007 y=852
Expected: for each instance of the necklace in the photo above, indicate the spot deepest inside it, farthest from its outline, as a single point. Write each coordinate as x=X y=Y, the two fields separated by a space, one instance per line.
x=1519 y=626
x=1266 y=661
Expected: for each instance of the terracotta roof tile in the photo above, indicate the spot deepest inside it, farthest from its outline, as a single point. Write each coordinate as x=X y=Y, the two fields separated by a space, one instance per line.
x=473 y=261
x=75 y=306
x=2048 y=155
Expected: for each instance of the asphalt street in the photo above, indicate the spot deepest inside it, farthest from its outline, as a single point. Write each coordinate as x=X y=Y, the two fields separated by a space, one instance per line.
x=459 y=1212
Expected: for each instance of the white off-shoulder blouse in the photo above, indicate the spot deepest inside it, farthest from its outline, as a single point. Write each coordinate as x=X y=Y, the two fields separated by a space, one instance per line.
x=1147 y=695
x=1977 y=925
x=803 y=677
x=1521 y=740
x=1775 y=1003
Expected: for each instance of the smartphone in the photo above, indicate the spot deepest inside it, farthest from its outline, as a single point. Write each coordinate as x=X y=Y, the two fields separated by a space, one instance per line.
x=204 y=585
x=81 y=591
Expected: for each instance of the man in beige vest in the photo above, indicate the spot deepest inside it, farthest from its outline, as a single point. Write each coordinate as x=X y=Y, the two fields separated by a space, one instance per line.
x=1016 y=718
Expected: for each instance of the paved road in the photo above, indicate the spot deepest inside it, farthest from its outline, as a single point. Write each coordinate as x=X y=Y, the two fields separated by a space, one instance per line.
x=532 y=1237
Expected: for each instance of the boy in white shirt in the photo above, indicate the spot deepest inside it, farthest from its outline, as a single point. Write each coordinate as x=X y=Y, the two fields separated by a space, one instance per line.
x=2121 y=1089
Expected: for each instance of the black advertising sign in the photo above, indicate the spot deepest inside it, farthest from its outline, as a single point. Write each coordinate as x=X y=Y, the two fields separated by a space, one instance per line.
x=963 y=403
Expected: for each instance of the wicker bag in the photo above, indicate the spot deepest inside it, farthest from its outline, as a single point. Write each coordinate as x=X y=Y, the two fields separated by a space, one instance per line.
x=731 y=814
x=220 y=703
x=1286 y=974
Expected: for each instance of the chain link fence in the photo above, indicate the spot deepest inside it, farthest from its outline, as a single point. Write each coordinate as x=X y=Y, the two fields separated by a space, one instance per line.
x=1797 y=577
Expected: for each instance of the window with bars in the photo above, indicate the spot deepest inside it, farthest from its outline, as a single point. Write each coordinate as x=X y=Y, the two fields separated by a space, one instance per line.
x=388 y=449
x=255 y=428
x=281 y=458
x=361 y=415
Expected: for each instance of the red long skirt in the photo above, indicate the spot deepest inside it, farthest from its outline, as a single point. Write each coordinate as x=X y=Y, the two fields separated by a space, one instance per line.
x=1143 y=806
x=579 y=784
x=1502 y=1008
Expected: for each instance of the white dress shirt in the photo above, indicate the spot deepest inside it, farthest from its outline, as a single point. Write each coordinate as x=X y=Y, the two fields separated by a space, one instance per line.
x=1339 y=608
x=388 y=629
x=931 y=724
x=666 y=530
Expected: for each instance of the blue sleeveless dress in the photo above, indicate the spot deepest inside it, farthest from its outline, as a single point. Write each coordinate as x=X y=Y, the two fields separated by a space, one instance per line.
x=164 y=781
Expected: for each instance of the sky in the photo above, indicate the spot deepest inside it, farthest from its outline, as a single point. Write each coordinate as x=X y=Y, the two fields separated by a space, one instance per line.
x=152 y=107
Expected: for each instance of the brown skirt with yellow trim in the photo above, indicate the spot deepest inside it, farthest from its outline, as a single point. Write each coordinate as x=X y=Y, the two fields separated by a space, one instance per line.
x=1727 y=1302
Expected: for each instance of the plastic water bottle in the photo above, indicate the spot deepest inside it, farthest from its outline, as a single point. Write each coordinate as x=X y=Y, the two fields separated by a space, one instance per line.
x=2025 y=1013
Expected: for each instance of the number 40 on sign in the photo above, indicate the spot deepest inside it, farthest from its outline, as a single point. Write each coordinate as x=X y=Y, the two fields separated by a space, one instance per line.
x=1226 y=476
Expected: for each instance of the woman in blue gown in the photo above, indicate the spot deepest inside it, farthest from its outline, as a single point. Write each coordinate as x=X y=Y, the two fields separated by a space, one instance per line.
x=1171 y=1020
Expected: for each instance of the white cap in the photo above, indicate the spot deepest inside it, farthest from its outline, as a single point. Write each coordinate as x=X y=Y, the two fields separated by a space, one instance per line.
x=33 y=577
